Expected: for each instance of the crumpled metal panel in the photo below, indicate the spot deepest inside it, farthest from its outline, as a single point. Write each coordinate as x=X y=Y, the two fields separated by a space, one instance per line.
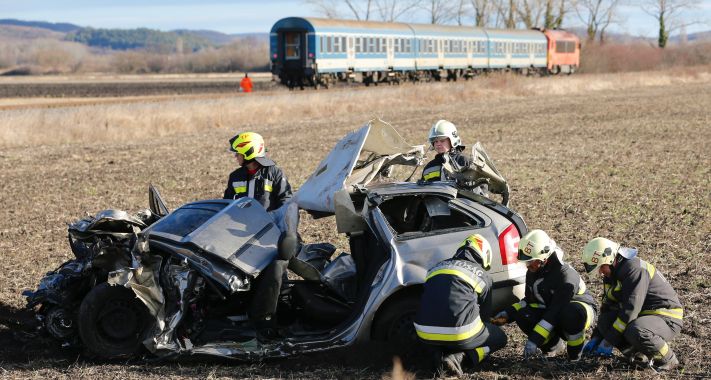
x=355 y=161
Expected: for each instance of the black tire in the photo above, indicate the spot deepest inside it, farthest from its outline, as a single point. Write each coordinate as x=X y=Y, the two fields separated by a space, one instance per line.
x=395 y=322
x=113 y=322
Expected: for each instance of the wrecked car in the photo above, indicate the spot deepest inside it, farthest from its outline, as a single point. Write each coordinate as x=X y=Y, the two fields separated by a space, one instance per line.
x=179 y=283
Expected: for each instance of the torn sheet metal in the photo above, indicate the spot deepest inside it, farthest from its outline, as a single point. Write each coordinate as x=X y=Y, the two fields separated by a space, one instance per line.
x=356 y=160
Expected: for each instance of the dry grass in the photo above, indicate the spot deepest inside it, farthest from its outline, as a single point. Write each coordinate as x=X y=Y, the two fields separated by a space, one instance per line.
x=131 y=122
x=624 y=156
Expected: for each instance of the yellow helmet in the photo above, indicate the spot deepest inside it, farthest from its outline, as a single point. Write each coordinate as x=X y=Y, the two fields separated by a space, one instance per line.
x=535 y=245
x=444 y=128
x=598 y=252
x=479 y=248
x=248 y=144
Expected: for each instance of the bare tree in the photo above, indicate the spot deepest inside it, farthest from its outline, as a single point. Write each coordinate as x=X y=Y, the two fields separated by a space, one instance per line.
x=505 y=13
x=597 y=16
x=359 y=9
x=481 y=9
x=393 y=10
x=529 y=12
x=551 y=19
x=668 y=14
x=439 y=11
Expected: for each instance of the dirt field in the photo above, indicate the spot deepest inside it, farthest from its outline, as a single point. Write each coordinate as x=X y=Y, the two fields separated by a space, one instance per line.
x=629 y=162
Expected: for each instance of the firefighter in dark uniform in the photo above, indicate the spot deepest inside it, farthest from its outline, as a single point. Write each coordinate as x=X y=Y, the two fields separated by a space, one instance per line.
x=258 y=177
x=557 y=307
x=450 y=158
x=641 y=312
x=455 y=308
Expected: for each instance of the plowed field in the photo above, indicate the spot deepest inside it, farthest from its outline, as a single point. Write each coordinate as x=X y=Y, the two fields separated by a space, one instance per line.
x=628 y=162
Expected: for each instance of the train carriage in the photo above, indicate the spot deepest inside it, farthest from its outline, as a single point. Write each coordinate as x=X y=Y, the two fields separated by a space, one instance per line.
x=314 y=51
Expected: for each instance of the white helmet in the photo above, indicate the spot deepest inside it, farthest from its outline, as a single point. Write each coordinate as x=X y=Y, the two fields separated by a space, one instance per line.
x=598 y=252
x=444 y=128
x=535 y=245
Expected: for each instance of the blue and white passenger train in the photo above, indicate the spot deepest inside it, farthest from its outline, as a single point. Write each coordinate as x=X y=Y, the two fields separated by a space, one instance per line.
x=313 y=51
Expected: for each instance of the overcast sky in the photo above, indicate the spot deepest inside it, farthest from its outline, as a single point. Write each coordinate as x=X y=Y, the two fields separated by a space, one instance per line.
x=233 y=16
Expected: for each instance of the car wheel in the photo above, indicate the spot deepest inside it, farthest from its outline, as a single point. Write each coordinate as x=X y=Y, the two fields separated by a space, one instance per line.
x=112 y=322
x=395 y=323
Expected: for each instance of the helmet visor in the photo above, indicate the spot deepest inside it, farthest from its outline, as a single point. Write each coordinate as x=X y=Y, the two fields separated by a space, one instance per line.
x=589 y=267
x=522 y=256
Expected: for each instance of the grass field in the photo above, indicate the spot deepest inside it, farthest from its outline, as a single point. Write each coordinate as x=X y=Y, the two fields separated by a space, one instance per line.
x=623 y=156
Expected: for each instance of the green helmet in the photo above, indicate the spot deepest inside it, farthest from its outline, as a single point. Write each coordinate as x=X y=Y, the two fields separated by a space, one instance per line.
x=478 y=247
x=444 y=128
x=535 y=245
x=598 y=252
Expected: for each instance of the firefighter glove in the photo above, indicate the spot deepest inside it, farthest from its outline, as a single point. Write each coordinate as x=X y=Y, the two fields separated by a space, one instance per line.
x=591 y=345
x=603 y=349
x=530 y=349
x=501 y=318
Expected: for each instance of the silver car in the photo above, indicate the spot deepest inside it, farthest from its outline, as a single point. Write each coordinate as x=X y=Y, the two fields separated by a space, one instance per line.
x=173 y=283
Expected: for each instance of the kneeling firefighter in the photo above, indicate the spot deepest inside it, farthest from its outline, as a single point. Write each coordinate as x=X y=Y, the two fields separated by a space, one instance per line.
x=556 y=303
x=641 y=312
x=455 y=303
x=475 y=173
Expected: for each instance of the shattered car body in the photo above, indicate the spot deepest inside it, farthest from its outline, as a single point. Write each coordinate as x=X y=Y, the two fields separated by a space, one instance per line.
x=179 y=283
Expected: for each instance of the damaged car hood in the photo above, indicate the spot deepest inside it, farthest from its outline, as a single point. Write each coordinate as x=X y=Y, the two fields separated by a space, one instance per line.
x=360 y=157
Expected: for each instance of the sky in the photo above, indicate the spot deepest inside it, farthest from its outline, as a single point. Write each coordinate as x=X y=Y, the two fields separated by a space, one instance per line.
x=238 y=16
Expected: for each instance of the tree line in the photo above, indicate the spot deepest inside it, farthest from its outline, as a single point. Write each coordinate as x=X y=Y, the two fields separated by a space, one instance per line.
x=141 y=38
x=595 y=15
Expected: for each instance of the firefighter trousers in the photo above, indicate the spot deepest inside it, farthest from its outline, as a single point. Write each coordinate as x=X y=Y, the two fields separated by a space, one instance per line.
x=648 y=334
x=574 y=319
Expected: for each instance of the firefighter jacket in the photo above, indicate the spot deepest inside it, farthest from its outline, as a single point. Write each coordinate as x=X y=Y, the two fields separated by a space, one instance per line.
x=435 y=170
x=637 y=288
x=455 y=302
x=268 y=186
x=551 y=288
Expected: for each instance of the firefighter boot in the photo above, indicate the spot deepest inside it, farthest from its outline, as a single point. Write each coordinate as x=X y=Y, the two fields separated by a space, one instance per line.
x=556 y=350
x=453 y=363
x=660 y=365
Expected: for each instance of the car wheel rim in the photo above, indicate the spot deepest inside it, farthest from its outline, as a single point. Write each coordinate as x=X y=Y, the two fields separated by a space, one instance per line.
x=119 y=321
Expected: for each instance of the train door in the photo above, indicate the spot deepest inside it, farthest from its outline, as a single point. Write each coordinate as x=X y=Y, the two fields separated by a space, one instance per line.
x=440 y=53
x=293 y=45
x=350 y=52
x=391 y=52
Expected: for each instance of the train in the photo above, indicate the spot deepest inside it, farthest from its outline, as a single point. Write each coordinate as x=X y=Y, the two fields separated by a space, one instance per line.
x=321 y=52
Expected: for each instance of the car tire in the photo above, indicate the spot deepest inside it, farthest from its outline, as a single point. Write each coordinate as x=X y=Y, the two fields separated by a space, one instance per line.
x=112 y=322
x=395 y=322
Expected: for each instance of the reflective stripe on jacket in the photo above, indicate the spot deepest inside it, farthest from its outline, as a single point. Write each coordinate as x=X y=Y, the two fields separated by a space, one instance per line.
x=268 y=186
x=455 y=302
x=640 y=290
x=552 y=287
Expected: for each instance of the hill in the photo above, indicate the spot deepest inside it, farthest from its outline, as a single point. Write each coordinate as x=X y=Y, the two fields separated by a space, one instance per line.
x=56 y=27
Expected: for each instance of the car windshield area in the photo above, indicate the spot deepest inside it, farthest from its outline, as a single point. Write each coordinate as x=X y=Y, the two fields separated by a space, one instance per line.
x=188 y=218
x=417 y=215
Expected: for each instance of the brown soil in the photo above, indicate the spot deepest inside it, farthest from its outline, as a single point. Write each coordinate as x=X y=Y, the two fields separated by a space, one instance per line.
x=631 y=164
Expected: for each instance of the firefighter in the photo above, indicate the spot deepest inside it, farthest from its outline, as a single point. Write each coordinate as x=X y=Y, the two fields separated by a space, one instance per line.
x=258 y=177
x=641 y=312
x=246 y=84
x=556 y=307
x=455 y=308
x=450 y=158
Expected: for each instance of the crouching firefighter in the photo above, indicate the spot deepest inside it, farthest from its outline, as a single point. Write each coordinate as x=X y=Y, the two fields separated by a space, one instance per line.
x=641 y=312
x=454 y=307
x=557 y=308
x=475 y=172
x=260 y=178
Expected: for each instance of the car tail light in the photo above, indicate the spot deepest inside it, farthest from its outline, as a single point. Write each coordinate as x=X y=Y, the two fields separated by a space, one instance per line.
x=508 y=245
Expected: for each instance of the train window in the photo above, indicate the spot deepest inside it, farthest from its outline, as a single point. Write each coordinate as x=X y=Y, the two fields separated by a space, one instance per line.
x=377 y=45
x=343 y=44
x=292 y=45
x=358 y=45
x=371 y=45
x=336 y=44
x=408 y=45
